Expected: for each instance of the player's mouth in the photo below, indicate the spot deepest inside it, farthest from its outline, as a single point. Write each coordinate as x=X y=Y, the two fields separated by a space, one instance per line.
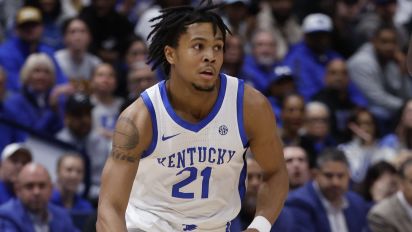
x=207 y=74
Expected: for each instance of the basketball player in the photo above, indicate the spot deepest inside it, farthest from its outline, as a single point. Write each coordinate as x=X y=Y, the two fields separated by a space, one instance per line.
x=178 y=158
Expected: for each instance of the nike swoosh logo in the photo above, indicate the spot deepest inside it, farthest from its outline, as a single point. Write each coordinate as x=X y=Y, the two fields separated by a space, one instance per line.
x=164 y=138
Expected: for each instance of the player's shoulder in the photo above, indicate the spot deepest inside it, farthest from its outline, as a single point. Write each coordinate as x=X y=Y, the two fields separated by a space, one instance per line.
x=253 y=99
x=137 y=112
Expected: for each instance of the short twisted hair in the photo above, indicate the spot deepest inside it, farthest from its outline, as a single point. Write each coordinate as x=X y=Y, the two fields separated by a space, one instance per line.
x=173 y=23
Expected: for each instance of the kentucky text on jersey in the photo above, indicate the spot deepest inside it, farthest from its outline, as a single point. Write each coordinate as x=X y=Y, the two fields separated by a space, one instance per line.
x=194 y=155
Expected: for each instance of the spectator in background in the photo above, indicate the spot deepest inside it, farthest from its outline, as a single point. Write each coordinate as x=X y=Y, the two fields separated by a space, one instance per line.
x=346 y=17
x=236 y=17
x=281 y=84
x=394 y=213
x=136 y=51
x=109 y=29
x=376 y=70
x=308 y=59
x=292 y=116
x=106 y=106
x=234 y=57
x=144 y=26
x=259 y=65
x=70 y=173
x=13 y=157
x=364 y=149
x=78 y=131
x=36 y=106
x=31 y=210
x=381 y=11
x=297 y=163
x=72 y=8
x=402 y=136
x=53 y=18
x=139 y=79
x=326 y=204
x=316 y=135
x=76 y=63
x=8 y=134
x=338 y=97
x=278 y=16
x=27 y=40
x=380 y=182
x=284 y=222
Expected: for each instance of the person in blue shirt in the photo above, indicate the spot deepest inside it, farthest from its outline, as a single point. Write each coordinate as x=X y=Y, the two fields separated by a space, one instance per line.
x=15 y=50
x=13 y=157
x=31 y=210
x=308 y=59
x=70 y=173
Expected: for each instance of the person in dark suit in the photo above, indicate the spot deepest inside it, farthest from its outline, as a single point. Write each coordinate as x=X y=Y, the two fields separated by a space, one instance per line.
x=326 y=204
x=31 y=211
x=394 y=214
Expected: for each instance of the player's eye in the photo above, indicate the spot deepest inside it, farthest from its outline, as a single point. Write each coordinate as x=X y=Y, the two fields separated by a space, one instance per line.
x=198 y=46
x=218 y=48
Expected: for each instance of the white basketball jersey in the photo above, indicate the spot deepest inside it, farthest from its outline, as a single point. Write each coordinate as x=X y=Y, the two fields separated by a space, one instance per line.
x=192 y=177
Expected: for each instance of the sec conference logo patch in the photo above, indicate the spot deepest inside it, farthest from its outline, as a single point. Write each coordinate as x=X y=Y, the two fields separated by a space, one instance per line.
x=223 y=130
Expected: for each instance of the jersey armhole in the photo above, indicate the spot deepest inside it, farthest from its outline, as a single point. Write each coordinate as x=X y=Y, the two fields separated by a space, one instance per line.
x=240 y=121
x=153 y=143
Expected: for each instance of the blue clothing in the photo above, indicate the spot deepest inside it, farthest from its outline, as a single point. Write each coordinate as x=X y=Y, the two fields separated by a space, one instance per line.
x=13 y=54
x=8 y=134
x=79 y=204
x=308 y=68
x=15 y=218
x=6 y=193
x=258 y=75
x=391 y=141
x=310 y=215
x=26 y=111
x=284 y=222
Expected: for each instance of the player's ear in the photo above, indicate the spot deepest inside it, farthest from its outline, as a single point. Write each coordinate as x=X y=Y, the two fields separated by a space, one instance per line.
x=169 y=54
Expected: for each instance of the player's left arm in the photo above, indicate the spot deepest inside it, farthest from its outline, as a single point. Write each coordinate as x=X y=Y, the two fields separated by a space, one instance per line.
x=265 y=144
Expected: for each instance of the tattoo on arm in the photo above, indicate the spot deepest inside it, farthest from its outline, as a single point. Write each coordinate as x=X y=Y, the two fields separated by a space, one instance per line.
x=126 y=137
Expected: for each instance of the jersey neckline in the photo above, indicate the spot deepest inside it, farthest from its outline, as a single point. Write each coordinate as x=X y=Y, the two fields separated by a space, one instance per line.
x=195 y=127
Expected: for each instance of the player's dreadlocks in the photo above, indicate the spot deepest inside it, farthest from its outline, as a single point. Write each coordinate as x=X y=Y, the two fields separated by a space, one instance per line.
x=173 y=22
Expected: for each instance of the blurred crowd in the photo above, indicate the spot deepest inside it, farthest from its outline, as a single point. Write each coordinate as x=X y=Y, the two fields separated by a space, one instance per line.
x=334 y=72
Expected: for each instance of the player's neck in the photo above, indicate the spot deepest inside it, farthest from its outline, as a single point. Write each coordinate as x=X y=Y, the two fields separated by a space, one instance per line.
x=190 y=104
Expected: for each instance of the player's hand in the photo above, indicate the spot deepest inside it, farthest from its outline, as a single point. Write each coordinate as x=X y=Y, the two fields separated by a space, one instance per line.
x=251 y=230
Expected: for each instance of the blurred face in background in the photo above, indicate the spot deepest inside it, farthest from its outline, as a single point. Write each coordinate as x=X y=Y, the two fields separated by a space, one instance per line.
x=317 y=121
x=264 y=48
x=281 y=9
x=77 y=36
x=11 y=167
x=137 y=52
x=293 y=111
x=40 y=78
x=2 y=85
x=79 y=123
x=104 y=80
x=337 y=75
x=365 y=121
x=34 y=188
x=254 y=175
x=406 y=184
x=140 y=78
x=407 y=115
x=385 y=44
x=333 y=180
x=233 y=50
x=30 y=32
x=70 y=173
x=297 y=165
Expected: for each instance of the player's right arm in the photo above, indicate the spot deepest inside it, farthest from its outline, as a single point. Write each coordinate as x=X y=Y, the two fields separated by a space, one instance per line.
x=131 y=137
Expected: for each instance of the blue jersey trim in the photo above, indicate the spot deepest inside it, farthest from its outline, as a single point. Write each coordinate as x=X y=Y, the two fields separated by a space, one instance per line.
x=240 y=122
x=195 y=127
x=242 y=178
x=149 y=105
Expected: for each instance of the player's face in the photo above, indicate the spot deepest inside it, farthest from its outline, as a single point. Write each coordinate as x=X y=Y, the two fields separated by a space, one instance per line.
x=198 y=57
